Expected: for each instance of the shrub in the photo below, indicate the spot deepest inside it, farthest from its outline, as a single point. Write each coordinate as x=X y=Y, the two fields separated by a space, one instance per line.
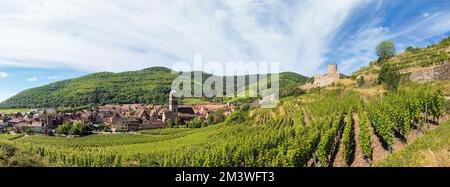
x=63 y=129
x=29 y=131
x=78 y=129
x=361 y=81
x=390 y=76
x=215 y=117
x=195 y=123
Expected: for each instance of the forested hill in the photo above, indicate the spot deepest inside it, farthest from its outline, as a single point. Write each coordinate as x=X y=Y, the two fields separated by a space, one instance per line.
x=148 y=86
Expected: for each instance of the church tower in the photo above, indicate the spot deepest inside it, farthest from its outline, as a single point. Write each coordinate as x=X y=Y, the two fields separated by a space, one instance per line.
x=173 y=102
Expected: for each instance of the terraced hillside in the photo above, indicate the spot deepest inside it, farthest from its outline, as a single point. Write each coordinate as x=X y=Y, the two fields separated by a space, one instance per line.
x=411 y=60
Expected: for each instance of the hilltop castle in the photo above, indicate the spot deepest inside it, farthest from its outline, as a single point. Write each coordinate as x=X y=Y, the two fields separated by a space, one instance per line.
x=324 y=80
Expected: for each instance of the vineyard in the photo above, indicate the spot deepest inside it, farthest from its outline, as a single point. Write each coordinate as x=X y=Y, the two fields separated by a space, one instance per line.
x=314 y=129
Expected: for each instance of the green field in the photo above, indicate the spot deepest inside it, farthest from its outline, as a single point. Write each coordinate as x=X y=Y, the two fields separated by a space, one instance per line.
x=14 y=110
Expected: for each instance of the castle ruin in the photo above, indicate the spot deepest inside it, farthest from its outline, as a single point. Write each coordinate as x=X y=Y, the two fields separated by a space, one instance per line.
x=324 y=80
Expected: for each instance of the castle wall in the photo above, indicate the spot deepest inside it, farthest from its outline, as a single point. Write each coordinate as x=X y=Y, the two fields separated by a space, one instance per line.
x=441 y=72
x=325 y=80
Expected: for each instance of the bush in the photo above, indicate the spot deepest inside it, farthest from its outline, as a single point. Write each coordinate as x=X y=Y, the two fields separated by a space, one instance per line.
x=29 y=131
x=215 y=117
x=178 y=121
x=63 y=129
x=361 y=81
x=293 y=91
x=78 y=129
x=195 y=123
x=390 y=76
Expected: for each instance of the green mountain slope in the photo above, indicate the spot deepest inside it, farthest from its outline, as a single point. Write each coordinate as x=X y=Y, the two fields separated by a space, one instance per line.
x=147 y=86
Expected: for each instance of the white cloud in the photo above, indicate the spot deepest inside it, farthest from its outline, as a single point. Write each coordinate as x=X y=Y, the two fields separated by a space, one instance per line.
x=127 y=35
x=3 y=74
x=32 y=79
x=53 y=78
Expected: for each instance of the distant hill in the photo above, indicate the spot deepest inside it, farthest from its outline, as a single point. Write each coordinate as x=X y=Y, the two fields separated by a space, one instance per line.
x=148 y=86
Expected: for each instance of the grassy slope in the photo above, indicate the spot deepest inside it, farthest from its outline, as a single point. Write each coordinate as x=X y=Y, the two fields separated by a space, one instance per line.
x=432 y=149
x=410 y=60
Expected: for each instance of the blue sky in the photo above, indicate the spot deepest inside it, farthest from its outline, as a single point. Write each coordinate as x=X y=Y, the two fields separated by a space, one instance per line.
x=43 y=41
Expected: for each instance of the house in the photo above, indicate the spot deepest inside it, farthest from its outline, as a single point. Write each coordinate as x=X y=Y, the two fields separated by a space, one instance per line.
x=21 y=125
x=152 y=124
x=142 y=114
x=186 y=113
x=124 y=125
x=166 y=115
x=4 y=122
x=16 y=121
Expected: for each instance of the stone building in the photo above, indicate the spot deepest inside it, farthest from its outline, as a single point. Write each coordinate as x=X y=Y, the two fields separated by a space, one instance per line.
x=332 y=75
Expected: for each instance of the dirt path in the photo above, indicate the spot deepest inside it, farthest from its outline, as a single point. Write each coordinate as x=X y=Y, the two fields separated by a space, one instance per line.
x=399 y=143
x=358 y=160
x=305 y=118
x=379 y=153
x=337 y=158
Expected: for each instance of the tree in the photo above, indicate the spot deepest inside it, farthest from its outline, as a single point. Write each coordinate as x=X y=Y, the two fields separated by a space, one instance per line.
x=385 y=50
x=215 y=117
x=195 y=123
x=178 y=121
x=78 y=129
x=361 y=81
x=169 y=123
x=390 y=76
x=63 y=129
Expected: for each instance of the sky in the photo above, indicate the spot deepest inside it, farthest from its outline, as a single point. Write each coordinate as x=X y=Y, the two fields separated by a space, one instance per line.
x=43 y=41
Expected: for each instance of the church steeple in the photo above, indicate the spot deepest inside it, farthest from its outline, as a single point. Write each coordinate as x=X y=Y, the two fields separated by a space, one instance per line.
x=173 y=102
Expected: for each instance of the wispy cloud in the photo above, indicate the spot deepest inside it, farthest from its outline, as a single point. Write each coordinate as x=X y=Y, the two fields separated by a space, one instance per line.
x=3 y=74
x=113 y=35
x=415 y=28
x=116 y=35
x=53 y=78
x=32 y=79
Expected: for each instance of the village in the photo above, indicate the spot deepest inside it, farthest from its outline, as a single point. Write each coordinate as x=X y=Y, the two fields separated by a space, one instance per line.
x=114 y=118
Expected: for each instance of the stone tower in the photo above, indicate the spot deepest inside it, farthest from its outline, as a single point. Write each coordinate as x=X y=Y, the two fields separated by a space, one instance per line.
x=173 y=102
x=332 y=69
